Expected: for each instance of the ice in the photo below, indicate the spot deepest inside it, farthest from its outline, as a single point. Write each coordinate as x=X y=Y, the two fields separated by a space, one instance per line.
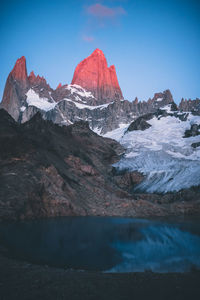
x=160 y=152
x=117 y=133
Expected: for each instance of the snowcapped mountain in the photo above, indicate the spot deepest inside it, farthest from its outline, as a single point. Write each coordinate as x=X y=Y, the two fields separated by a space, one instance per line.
x=101 y=104
x=161 y=140
x=169 y=160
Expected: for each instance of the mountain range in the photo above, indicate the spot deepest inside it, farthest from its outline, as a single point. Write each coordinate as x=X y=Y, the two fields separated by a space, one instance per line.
x=94 y=95
x=82 y=149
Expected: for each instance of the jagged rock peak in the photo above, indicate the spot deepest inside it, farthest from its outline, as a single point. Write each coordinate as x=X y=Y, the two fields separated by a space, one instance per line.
x=15 y=88
x=166 y=95
x=190 y=105
x=94 y=75
x=33 y=79
x=98 y=52
x=19 y=71
x=59 y=86
x=32 y=74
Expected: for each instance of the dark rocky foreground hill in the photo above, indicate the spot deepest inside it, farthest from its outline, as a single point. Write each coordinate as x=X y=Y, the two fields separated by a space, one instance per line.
x=47 y=170
x=21 y=280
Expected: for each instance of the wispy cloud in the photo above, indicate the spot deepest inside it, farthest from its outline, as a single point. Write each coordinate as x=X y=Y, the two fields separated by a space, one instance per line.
x=100 y=16
x=87 y=38
x=103 y=11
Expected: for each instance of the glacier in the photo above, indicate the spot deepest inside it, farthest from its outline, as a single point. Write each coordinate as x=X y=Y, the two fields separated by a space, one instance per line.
x=166 y=159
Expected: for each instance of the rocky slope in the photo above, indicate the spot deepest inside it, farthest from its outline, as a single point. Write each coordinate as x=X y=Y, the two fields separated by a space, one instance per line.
x=47 y=170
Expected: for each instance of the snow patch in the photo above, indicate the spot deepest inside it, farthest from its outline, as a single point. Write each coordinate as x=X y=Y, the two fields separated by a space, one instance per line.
x=77 y=89
x=84 y=106
x=22 y=108
x=159 y=99
x=33 y=99
x=167 y=108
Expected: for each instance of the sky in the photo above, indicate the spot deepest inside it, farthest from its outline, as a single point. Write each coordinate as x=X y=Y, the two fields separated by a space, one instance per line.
x=154 y=45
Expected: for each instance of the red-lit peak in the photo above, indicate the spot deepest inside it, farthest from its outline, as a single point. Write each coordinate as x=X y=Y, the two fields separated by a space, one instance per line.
x=98 y=52
x=94 y=75
x=21 y=60
x=112 y=68
x=19 y=71
x=41 y=78
x=59 y=86
x=32 y=76
x=35 y=80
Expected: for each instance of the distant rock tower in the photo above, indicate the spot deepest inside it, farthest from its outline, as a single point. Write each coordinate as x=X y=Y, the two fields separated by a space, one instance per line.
x=94 y=75
x=16 y=85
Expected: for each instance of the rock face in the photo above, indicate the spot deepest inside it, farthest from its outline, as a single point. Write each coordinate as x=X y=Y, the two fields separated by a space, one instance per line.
x=190 y=105
x=165 y=96
x=193 y=131
x=15 y=89
x=37 y=80
x=195 y=145
x=140 y=123
x=19 y=71
x=94 y=75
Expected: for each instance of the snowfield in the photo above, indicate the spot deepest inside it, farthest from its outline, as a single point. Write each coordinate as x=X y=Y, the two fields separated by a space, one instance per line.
x=90 y=107
x=160 y=152
x=33 y=99
x=77 y=89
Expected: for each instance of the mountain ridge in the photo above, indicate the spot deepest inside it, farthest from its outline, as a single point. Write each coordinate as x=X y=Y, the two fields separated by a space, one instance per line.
x=25 y=95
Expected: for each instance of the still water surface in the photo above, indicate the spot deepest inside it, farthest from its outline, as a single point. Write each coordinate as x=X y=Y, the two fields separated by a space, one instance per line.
x=106 y=244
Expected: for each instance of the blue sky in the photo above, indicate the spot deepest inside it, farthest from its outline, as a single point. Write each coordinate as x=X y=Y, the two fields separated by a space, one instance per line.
x=155 y=45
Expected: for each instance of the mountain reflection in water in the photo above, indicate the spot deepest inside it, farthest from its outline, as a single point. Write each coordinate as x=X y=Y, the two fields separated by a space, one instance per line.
x=106 y=244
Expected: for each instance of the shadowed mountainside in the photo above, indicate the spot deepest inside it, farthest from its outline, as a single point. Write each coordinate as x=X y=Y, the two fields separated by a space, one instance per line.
x=47 y=170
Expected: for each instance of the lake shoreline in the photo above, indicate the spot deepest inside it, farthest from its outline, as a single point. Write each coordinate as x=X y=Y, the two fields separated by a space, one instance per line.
x=22 y=280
